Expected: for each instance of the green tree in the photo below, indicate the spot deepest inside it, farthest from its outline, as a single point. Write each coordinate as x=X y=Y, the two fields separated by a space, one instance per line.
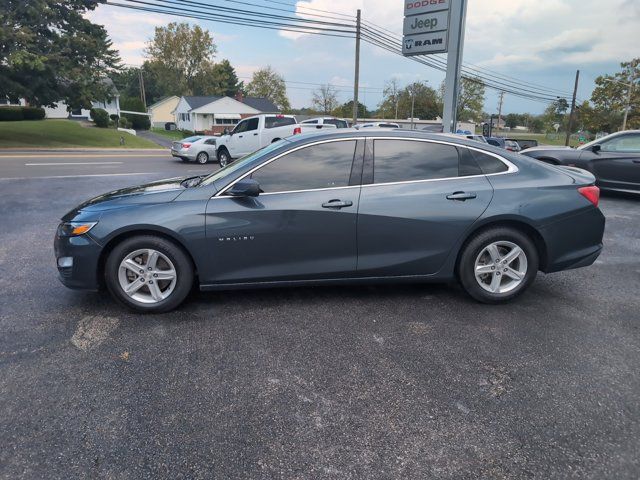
x=134 y=104
x=427 y=104
x=325 y=99
x=127 y=81
x=470 y=99
x=346 y=110
x=611 y=94
x=180 y=55
x=50 y=52
x=268 y=83
x=388 y=107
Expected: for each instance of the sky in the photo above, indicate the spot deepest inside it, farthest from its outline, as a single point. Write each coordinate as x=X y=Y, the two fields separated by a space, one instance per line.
x=541 y=42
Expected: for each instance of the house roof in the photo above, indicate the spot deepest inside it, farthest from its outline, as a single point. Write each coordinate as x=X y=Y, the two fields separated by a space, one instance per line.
x=259 y=103
x=162 y=100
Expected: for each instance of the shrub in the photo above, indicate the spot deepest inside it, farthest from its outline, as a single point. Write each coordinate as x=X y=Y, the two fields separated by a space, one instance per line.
x=133 y=104
x=100 y=117
x=33 y=113
x=125 y=123
x=8 y=114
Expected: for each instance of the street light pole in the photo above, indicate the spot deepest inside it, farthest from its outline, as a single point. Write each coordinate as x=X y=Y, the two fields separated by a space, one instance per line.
x=628 y=107
x=573 y=109
x=357 y=70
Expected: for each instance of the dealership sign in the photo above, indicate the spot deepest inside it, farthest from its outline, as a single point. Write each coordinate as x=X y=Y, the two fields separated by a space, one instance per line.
x=426 y=23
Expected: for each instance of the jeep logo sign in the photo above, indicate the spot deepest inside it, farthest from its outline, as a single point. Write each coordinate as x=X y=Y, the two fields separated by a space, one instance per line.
x=416 y=7
x=426 y=23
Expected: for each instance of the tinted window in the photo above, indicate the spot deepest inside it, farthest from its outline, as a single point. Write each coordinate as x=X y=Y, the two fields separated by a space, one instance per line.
x=336 y=122
x=488 y=163
x=387 y=125
x=273 y=122
x=211 y=141
x=252 y=124
x=310 y=121
x=405 y=160
x=320 y=166
x=191 y=139
x=468 y=165
x=241 y=127
x=625 y=143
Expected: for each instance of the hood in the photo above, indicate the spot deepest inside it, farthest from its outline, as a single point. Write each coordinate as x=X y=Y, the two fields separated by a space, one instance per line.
x=160 y=191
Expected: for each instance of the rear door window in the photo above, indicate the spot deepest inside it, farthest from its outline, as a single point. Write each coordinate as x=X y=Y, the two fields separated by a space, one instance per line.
x=407 y=160
x=488 y=163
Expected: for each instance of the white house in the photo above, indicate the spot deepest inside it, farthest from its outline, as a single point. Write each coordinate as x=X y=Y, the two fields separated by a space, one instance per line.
x=161 y=112
x=213 y=114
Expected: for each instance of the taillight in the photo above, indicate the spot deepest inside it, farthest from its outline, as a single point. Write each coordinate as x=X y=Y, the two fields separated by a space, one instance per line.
x=186 y=145
x=591 y=193
x=297 y=130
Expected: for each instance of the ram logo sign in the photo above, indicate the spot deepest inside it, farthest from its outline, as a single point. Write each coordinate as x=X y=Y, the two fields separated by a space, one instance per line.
x=425 y=44
x=426 y=25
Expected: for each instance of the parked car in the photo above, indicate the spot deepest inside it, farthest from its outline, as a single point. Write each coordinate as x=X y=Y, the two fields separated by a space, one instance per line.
x=524 y=143
x=339 y=207
x=476 y=138
x=321 y=122
x=199 y=148
x=253 y=133
x=377 y=125
x=510 y=145
x=614 y=160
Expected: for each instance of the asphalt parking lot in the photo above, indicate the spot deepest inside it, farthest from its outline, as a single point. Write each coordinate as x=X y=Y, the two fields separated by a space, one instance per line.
x=402 y=381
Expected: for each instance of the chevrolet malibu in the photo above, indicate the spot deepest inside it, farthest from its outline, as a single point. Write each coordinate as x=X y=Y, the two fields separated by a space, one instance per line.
x=343 y=207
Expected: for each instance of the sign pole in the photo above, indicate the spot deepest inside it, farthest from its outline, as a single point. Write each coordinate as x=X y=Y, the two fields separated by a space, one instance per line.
x=356 y=78
x=454 y=60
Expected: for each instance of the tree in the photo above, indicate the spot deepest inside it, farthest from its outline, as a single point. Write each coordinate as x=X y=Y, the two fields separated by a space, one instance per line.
x=181 y=55
x=427 y=104
x=268 y=83
x=225 y=77
x=134 y=104
x=611 y=94
x=325 y=99
x=50 y=52
x=346 y=110
x=388 y=108
x=470 y=99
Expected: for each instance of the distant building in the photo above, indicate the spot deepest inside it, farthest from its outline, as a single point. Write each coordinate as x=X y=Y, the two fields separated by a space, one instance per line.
x=162 y=111
x=212 y=114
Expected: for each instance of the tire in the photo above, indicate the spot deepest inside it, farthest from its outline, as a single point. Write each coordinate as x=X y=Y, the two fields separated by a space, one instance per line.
x=164 y=287
x=202 y=158
x=224 y=158
x=498 y=283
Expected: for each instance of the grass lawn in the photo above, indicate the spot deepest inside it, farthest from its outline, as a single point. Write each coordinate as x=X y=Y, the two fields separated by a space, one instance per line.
x=543 y=138
x=171 y=134
x=65 y=134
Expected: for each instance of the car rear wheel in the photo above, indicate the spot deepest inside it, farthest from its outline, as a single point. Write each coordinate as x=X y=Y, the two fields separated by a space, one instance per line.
x=498 y=264
x=149 y=274
x=202 y=158
x=223 y=157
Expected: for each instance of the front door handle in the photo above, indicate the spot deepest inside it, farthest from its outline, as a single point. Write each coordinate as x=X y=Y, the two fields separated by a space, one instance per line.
x=336 y=203
x=255 y=134
x=461 y=196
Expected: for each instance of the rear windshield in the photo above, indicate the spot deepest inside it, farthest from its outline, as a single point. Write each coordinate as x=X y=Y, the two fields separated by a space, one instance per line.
x=387 y=125
x=336 y=122
x=191 y=139
x=273 y=122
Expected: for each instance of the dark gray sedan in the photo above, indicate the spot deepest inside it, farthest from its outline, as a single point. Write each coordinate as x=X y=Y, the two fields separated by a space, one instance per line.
x=614 y=160
x=338 y=208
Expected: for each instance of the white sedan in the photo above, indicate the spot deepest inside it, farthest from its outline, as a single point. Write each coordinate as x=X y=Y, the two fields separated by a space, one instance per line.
x=199 y=148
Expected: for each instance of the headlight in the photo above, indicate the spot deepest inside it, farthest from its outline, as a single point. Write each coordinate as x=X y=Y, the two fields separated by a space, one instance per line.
x=73 y=229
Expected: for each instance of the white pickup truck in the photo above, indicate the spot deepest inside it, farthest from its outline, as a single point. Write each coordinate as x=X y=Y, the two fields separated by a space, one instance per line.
x=253 y=133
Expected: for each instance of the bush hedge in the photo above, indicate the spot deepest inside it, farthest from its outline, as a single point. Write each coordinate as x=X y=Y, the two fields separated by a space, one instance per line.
x=100 y=117
x=12 y=114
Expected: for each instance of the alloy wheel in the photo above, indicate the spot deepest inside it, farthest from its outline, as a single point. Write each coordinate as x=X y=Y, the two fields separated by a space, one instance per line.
x=500 y=267
x=202 y=158
x=147 y=276
x=224 y=160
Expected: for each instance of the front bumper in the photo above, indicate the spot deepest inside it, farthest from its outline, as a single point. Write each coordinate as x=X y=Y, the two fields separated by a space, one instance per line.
x=84 y=253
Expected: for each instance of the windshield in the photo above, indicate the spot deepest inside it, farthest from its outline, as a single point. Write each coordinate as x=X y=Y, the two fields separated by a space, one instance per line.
x=240 y=163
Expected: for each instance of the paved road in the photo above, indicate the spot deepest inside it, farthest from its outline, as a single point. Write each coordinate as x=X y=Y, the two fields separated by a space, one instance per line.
x=370 y=382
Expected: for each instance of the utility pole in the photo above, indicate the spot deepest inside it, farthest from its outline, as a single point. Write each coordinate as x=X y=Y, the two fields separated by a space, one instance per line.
x=626 y=110
x=357 y=72
x=573 y=109
x=143 y=95
x=500 y=110
x=413 y=101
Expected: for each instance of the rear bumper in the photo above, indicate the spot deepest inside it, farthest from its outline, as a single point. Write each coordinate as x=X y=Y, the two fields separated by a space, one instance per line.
x=573 y=242
x=182 y=154
x=84 y=253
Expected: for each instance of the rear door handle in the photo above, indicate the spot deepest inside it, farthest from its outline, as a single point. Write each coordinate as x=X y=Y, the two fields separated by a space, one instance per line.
x=461 y=196
x=336 y=203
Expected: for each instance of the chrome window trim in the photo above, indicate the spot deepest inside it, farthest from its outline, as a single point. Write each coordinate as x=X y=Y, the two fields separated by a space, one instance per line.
x=511 y=168
x=221 y=192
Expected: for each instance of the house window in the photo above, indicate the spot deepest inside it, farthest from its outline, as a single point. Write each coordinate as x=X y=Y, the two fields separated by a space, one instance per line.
x=226 y=121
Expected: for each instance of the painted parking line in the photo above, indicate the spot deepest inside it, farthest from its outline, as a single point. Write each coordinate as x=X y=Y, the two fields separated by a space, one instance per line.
x=71 y=163
x=79 y=176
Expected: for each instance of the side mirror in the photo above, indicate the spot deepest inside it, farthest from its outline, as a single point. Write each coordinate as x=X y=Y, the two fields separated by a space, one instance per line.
x=246 y=187
x=596 y=148
x=225 y=131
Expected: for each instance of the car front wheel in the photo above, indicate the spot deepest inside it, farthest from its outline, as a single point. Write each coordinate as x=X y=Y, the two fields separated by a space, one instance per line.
x=149 y=274
x=223 y=158
x=498 y=264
